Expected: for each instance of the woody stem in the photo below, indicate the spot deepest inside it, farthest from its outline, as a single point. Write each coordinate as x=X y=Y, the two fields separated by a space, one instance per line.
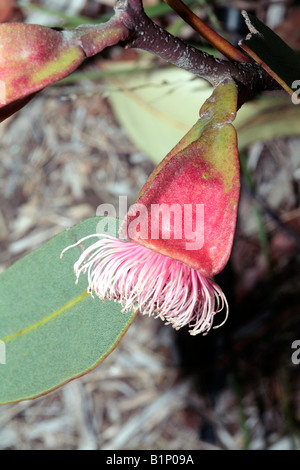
x=221 y=44
x=146 y=35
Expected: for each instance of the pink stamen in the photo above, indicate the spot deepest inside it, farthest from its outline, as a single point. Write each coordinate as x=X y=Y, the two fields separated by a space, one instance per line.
x=157 y=285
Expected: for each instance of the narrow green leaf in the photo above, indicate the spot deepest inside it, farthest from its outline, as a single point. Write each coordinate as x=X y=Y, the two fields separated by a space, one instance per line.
x=71 y=21
x=272 y=53
x=51 y=330
x=266 y=119
x=77 y=20
x=158 y=107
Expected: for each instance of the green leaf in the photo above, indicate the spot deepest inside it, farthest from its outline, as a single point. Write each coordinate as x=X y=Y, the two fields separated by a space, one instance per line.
x=51 y=329
x=77 y=20
x=272 y=53
x=158 y=107
x=266 y=119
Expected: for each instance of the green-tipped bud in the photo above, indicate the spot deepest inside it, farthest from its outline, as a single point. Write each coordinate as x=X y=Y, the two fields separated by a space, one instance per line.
x=200 y=178
x=180 y=231
x=33 y=57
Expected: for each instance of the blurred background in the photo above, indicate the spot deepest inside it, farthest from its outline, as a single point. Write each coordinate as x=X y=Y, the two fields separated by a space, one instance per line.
x=98 y=135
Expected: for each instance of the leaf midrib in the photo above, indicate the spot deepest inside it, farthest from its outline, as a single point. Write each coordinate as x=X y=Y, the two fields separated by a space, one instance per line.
x=46 y=319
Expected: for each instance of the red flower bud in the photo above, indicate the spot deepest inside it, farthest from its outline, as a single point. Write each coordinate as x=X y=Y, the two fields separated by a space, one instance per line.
x=181 y=228
x=199 y=185
x=33 y=57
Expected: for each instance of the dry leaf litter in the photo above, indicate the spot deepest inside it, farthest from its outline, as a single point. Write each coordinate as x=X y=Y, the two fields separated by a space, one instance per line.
x=61 y=157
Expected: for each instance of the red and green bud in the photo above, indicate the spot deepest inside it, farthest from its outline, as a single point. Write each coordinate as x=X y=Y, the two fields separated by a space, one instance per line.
x=33 y=57
x=180 y=231
x=200 y=181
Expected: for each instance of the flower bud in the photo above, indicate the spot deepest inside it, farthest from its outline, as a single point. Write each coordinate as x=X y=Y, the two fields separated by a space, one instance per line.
x=180 y=231
x=192 y=196
x=33 y=57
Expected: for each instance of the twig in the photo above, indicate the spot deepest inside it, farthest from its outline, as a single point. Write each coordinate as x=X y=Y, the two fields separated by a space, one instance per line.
x=148 y=36
x=221 y=44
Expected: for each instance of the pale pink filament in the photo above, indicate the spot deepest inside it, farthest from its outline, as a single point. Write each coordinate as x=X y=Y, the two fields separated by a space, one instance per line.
x=142 y=279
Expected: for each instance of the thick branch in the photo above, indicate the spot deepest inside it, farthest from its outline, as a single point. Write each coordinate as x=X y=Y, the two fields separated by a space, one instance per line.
x=148 y=36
